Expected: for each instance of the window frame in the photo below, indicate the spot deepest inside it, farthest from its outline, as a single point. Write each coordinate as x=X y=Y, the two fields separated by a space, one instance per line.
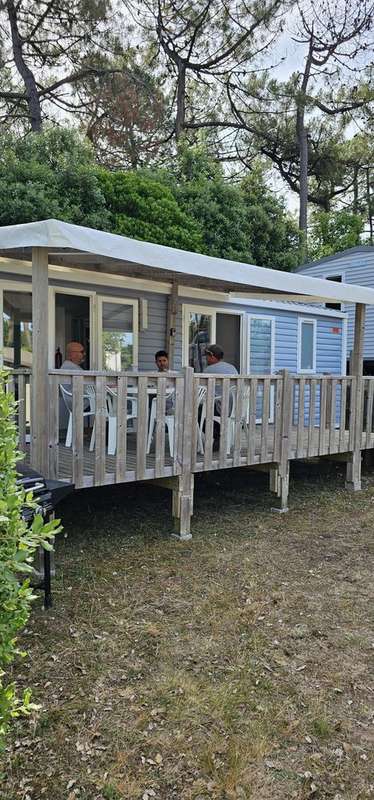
x=9 y=286
x=272 y=320
x=304 y=321
x=125 y=301
x=211 y=311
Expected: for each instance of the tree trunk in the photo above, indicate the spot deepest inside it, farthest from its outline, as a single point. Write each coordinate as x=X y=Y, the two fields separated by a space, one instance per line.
x=181 y=100
x=302 y=141
x=31 y=91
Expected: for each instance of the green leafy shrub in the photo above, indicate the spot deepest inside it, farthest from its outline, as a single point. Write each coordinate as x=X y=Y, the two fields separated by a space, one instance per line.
x=18 y=543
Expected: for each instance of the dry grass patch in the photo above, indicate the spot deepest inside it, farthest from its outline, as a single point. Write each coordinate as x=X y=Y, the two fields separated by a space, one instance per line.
x=235 y=666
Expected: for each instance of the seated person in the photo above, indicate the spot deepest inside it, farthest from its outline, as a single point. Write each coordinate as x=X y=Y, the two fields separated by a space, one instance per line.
x=217 y=366
x=75 y=355
x=162 y=360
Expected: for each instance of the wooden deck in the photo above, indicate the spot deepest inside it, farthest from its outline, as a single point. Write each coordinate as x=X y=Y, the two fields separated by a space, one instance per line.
x=262 y=420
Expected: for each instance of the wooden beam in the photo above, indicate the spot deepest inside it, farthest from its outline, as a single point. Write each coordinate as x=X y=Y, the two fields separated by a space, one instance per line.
x=39 y=394
x=353 y=476
x=171 y=323
x=358 y=343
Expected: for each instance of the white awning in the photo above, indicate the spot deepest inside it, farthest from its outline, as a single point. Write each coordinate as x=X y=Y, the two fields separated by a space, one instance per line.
x=86 y=248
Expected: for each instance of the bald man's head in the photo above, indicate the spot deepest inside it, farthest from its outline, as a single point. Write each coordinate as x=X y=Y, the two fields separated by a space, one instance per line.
x=75 y=352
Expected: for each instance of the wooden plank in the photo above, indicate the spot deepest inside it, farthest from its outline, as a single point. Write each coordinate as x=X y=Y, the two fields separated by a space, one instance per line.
x=312 y=416
x=142 y=429
x=21 y=412
x=265 y=419
x=100 y=429
x=195 y=457
x=77 y=441
x=54 y=433
x=322 y=417
x=343 y=410
x=178 y=427
x=208 y=448
x=121 y=443
x=369 y=412
x=352 y=413
x=225 y=410
x=300 y=419
x=277 y=418
x=239 y=401
x=40 y=407
x=251 y=447
x=160 y=428
x=187 y=420
x=332 y=421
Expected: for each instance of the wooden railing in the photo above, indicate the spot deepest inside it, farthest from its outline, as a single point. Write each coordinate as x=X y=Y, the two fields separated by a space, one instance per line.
x=19 y=383
x=112 y=428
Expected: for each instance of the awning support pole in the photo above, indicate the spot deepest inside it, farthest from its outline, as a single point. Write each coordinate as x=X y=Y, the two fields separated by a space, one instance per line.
x=39 y=394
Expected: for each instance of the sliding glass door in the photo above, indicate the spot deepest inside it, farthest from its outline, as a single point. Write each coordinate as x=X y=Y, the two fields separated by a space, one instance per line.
x=118 y=334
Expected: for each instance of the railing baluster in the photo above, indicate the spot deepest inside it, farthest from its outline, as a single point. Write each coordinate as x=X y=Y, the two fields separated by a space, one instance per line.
x=300 y=419
x=100 y=430
x=178 y=427
x=332 y=436
x=238 y=400
x=121 y=443
x=21 y=413
x=277 y=418
x=142 y=429
x=208 y=448
x=251 y=453
x=225 y=410
x=265 y=419
x=160 y=428
x=312 y=416
x=369 y=413
x=54 y=421
x=322 y=416
x=77 y=442
x=343 y=409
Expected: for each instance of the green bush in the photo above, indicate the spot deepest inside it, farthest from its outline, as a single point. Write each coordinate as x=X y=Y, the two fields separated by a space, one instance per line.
x=18 y=543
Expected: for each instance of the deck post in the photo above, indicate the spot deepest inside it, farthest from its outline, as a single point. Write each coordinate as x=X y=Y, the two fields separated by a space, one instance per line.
x=353 y=474
x=171 y=322
x=183 y=494
x=283 y=471
x=39 y=394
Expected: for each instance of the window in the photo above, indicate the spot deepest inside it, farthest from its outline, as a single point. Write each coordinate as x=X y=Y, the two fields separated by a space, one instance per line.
x=118 y=338
x=307 y=346
x=261 y=345
x=17 y=328
x=337 y=279
x=200 y=333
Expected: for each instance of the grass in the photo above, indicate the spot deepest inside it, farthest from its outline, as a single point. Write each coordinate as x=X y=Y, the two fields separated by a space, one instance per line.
x=233 y=666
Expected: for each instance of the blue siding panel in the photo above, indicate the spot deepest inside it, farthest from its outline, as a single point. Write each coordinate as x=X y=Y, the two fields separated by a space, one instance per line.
x=357 y=266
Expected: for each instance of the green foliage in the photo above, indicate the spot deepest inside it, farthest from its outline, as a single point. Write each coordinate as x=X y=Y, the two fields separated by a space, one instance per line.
x=332 y=232
x=144 y=208
x=50 y=175
x=18 y=544
x=191 y=206
x=274 y=232
x=244 y=221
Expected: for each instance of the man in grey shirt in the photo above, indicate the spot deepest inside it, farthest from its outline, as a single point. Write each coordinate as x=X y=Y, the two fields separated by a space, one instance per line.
x=217 y=366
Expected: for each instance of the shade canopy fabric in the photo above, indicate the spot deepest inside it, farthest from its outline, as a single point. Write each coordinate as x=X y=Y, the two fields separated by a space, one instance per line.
x=78 y=247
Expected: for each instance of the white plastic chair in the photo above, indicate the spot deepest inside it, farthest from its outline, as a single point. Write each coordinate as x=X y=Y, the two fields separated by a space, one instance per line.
x=111 y=413
x=169 y=422
x=89 y=400
x=218 y=419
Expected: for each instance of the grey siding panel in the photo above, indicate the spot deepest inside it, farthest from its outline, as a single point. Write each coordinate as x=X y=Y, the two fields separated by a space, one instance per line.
x=286 y=326
x=358 y=268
